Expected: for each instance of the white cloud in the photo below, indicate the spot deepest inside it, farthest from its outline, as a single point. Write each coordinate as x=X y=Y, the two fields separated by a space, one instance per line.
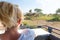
x=49 y=6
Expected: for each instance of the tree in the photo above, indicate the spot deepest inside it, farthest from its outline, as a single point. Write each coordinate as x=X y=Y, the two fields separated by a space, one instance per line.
x=58 y=11
x=30 y=11
x=56 y=16
x=37 y=10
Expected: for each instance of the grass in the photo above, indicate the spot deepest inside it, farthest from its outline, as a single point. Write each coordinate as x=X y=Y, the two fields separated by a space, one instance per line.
x=44 y=18
x=40 y=20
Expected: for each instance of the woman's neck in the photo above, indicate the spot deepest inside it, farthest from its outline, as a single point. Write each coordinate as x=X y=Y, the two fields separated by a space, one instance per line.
x=12 y=33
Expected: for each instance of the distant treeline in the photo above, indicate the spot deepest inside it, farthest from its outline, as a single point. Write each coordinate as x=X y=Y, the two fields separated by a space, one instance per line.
x=39 y=15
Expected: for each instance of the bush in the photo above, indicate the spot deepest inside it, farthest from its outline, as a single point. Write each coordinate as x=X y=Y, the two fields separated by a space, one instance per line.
x=28 y=18
x=25 y=23
x=55 y=19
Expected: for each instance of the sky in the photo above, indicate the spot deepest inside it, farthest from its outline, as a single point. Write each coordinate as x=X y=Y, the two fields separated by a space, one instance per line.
x=47 y=6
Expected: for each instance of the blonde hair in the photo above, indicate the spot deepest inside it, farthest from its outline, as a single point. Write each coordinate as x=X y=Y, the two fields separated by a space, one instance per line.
x=9 y=14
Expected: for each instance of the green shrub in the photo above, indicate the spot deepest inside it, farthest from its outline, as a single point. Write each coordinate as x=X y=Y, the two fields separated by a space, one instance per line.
x=25 y=23
x=28 y=18
x=55 y=19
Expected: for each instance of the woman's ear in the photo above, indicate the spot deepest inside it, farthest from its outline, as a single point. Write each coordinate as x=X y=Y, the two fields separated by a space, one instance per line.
x=19 y=21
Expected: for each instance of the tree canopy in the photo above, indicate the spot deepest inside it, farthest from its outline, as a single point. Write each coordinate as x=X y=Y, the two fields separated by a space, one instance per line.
x=58 y=10
x=37 y=10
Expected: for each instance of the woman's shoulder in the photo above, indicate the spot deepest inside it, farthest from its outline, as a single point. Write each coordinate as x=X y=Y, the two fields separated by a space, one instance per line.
x=28 y=31
x=27 y=34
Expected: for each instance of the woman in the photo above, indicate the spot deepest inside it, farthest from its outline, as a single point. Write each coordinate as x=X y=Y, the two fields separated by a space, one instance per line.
x=10 y=20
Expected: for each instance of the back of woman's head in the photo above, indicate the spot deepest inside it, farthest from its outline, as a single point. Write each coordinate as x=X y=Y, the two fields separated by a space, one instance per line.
x=9 y=14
